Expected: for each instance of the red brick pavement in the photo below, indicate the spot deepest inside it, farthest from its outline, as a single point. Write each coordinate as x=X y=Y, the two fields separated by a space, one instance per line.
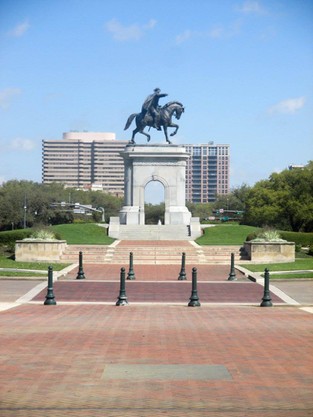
x=166 y=292
x=54 y=359
x=155 y=272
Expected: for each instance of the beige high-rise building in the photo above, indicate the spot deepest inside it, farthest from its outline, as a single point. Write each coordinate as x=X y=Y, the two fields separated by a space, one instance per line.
x=85 y=160
x=207 y=172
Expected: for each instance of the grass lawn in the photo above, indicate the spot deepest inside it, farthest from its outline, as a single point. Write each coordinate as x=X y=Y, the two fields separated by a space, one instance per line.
x=294 y=275
x=225 y=234
x=82 y=234
x=22 y=274
x=10 y=263
x=299 y=264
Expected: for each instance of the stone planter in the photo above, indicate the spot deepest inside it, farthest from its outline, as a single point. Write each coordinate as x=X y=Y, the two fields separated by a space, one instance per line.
x=39 y=250
x=270 y=251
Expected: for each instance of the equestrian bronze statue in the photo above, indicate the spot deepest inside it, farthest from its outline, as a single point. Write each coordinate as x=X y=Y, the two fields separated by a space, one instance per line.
x=153 y=115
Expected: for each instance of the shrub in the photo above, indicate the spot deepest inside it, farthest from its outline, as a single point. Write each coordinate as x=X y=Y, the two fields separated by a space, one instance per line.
x=299 y=238
x=8 y=238
x=42 y=235
x=251 y=236
x=265 y=235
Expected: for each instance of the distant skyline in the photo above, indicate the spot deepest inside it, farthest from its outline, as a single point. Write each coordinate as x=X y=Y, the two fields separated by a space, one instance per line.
x=242 y=69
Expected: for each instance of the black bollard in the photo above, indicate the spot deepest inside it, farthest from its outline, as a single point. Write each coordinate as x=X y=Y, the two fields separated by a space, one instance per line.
x=50 y=299
x=182 y=275
x=267 y=301
x=80 y=274
x=194 y=299
x=122 y=298
x=131 y=273
x=232 y=273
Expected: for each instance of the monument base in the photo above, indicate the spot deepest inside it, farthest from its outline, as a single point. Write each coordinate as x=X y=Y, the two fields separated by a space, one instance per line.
x=128 y=231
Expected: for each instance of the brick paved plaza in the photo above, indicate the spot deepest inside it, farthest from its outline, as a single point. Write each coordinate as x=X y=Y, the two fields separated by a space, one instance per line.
x=87 y=357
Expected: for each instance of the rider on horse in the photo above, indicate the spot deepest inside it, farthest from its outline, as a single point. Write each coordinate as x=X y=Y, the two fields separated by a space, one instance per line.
x=151 y=107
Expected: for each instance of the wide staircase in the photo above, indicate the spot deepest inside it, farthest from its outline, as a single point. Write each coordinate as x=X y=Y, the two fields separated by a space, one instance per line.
x=154 y=232
x=153 y=253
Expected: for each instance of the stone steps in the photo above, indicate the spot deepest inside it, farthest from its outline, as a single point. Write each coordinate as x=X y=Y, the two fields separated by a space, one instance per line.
x=154 y=232
x=148 y=254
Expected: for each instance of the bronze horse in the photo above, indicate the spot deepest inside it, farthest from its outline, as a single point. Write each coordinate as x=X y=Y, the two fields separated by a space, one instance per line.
x=165 y=120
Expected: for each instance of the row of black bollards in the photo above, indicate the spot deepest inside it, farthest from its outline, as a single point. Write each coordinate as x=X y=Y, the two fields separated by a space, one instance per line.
x=194 y=298
x=181 y=277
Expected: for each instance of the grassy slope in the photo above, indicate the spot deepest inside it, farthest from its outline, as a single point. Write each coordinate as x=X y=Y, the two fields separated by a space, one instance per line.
x=83 y=234
x=226 y=234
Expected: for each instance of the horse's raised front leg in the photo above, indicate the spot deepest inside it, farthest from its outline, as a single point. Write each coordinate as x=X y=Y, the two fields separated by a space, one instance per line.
x=175 y=131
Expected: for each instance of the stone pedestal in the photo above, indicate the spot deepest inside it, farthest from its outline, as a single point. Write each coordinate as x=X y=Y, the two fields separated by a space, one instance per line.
x=145 y=163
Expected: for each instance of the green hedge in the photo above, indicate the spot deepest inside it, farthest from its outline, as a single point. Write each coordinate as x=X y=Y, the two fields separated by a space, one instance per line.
x=8 y=238
x=300 y=238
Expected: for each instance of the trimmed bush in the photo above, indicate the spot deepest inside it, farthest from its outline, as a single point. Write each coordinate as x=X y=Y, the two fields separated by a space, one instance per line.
x=299 y=238
x=8 y=238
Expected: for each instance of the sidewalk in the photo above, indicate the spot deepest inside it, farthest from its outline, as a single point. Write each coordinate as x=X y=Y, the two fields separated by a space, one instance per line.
x=90 y=358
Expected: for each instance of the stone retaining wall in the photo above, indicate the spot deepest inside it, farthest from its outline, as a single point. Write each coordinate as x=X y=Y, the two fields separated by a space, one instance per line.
x=35 y=250
x=270 y=251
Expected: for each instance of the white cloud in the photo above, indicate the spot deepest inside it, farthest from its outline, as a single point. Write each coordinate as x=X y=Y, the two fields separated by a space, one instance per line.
x=183 y=37
x=216 y=32
x=251 y=7
x=128 y=33
x=7 y=95
x=24 y=145
x=20 y=29
x=288 y=106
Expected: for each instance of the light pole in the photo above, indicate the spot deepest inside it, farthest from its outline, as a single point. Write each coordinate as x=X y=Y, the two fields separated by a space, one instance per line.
x=25 y=211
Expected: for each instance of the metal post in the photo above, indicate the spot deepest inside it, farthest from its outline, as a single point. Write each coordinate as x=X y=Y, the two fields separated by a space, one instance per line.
x=50 y=299
x=131 y=273
x=80 y=274
x=122 y=298
x=182 y=275
x=194 y=299
x=232 y=273
x=267 y=301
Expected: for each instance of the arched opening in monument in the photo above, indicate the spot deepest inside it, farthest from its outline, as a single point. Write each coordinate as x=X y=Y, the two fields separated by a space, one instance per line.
x=154 y=202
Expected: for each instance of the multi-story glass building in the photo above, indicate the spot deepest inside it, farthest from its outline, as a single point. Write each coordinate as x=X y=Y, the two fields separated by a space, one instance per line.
x=207 y=172
x=91 y=160
x=86 y=160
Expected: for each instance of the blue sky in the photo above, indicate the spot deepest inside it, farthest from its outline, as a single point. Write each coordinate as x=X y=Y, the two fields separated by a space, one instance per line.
x=242 y=68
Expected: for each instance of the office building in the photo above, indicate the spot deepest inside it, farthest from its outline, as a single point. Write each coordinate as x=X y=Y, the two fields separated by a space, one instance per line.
x=207 y=172
x=85 y=160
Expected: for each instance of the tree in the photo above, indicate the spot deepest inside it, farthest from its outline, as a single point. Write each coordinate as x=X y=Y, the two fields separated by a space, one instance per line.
x=283 y=201
x=29 y=203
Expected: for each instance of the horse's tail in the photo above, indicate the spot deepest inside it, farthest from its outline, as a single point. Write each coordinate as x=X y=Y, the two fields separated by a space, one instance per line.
x=129 y=120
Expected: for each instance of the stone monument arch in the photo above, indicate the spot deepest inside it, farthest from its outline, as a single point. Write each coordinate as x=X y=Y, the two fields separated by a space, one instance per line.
x=163 y=163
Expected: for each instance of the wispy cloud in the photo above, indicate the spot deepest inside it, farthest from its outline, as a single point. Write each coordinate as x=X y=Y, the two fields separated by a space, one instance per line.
x=251 y=7
x=288 y=106
x=20 y=29
x=6 y=97
x=216 y=32
x=185 y=36
x=21 y=144
x=128 y=33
